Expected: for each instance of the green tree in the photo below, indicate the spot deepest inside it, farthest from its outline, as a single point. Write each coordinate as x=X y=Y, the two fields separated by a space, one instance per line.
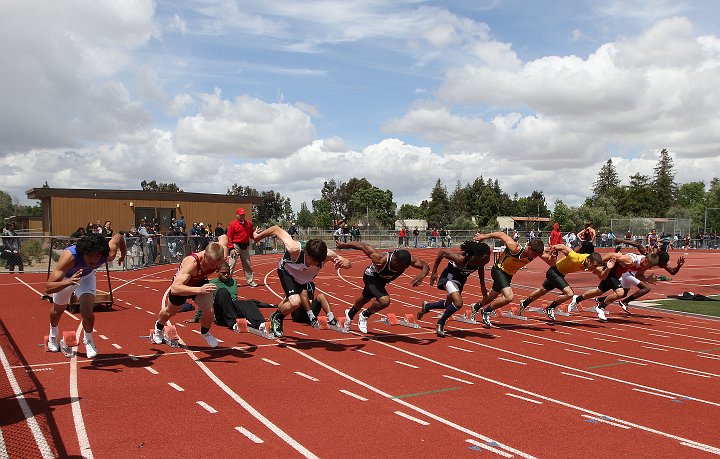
x=379 y=205
x=567 y=217
x=639 y=197
x=410 y=211
x=347 y=190
x=155 y=186
x=239 y=190
x=7 y=208
x=322 y=215
x=606 y=180
x=438 y=211
x=304 y=216
x=663 y=184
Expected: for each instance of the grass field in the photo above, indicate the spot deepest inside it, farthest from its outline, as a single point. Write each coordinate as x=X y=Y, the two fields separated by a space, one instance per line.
x=708 y=308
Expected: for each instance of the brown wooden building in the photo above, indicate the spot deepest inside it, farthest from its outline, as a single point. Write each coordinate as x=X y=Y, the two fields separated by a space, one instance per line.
x=65 y=210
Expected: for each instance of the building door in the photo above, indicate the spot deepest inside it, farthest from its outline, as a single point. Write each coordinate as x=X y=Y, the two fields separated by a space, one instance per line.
x=164 y=216
x=144 y=213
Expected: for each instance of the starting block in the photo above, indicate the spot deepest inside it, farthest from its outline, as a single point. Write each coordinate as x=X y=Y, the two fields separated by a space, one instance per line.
x=340 y=327
x=170 y=336
x=513 y=314
x=407 y=321
x=68 y=343
x=244 y=327
x=465 y=317
x=558 y=311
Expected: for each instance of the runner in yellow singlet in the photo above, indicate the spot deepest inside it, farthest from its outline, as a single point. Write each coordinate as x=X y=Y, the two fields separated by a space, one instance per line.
x=512 y=259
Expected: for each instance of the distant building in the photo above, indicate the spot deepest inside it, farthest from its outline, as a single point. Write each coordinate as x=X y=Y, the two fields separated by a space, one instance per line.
x=511 y=223
x=411 y=223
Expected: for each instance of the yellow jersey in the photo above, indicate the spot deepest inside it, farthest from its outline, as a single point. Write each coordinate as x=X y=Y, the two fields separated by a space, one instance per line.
x=572 y=263
x=511 y=262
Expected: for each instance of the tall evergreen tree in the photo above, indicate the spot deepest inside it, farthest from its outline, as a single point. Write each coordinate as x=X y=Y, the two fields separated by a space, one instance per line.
x=606 y=180
x=663 y=184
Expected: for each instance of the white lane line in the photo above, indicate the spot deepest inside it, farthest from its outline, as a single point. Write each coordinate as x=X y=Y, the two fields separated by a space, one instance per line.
x=512 y=361
x=606 y=340
x=40 y=439
x=306 y=376
x=531 y=342
x=300 y=333
x=524 y=398
x=209 y=408
x=176 y=387
x=458 y=379
x=694 y=374
x=412 y=418
x=347 y=392
x=249 y=434
x=151 y=313
x=654 y=393
x=654 y=348
x=657 y=334
x=577 y=376
x=83 y=440
x=460 y=349
x=577 y=352
x=634 y=363
x=709 y=357
x=489 y=448
x=3 y=449
x=152 y=370
x=562 y=332
x=103 y=336
x=116 y=346
x=605 y=421
x=701 y=448
x=271 y=362
x=364 y=352
x=406 y=364
x=137 y=307
x=180 y=325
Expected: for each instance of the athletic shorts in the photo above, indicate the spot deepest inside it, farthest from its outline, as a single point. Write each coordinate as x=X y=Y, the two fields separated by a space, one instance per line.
x=609 y=283
x=87 y=284
x=374 y=287
x=449 y=283
x=289 y=284
x=500 y=278
x=299 y=315
x=628 y=280
x=554 y=279
x=179 y=300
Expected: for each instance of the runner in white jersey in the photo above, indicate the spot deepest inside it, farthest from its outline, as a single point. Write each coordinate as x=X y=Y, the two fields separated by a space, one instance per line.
x=296 y=269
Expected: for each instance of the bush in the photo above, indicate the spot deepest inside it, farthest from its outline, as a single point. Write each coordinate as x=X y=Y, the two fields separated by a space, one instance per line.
x=32 y=251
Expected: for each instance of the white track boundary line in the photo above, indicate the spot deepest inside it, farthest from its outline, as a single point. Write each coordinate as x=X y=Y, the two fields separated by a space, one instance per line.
x=489 y=448
x=83 y=440
x=254 y=438
x=412 y=418
x=40 y=439
x=409 y=405
x=40 y=294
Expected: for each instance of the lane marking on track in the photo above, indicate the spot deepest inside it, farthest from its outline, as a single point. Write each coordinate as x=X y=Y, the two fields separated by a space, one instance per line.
x=116 y=346
x=661 y=336
x=606 y=365
x=409 y=405
x=537 y=402
x=83 y=440
x=577 y=352
x=710 y=357
x=577 y=376
x=654 y=348
x=254 y=438
x=103 y=336
x=458 y=379
x=489 y=448
x=412 y=418
x=3 y=449
x=151 y=313
x=271 y=362
x=152 y=370
x=512 y=361
x=693 y=374
x=406 y=364
x=176 y=387
x=364 y=352
x=701 y=448
x=207 y=407
x=37 y=433
x=606 y=340
x=654 y=393
x=306 y=376
x=347 y=392
x=604 y=421
x=300 y=333
x=137 y=307
x=40 y=294
x=428 y=392
x=531 y=342
x=562 y=332
x=460 y=349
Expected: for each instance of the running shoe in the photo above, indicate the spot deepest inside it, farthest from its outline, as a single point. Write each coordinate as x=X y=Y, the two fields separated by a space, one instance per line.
x=523 y=305
x=53 y=345
x=601 y=313
x=314 y=322
x=90 y=350
x=348 y=320
x=573 y=306
x=252 y=284
x=362 y=322
x=422 y=311
x=276 y=325
x=440 y=330
x=333 y=322
x=474 y=309
x=486 y=317
x=210 y=339
x=624 y=306
x=157 y=336
x=550 y=313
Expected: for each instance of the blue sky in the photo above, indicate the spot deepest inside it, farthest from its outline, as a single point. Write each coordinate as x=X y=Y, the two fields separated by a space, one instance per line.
x=284 y=95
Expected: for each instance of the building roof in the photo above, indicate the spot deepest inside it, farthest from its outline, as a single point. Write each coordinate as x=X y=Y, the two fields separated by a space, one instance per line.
x=39 y=193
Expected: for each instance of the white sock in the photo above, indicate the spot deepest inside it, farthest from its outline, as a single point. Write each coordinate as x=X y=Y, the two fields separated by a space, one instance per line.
x=88 y=337
x=330 y=316
x=54 y=332
x=311 y=315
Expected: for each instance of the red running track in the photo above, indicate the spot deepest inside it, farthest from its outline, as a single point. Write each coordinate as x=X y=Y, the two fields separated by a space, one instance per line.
x=640 y=385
